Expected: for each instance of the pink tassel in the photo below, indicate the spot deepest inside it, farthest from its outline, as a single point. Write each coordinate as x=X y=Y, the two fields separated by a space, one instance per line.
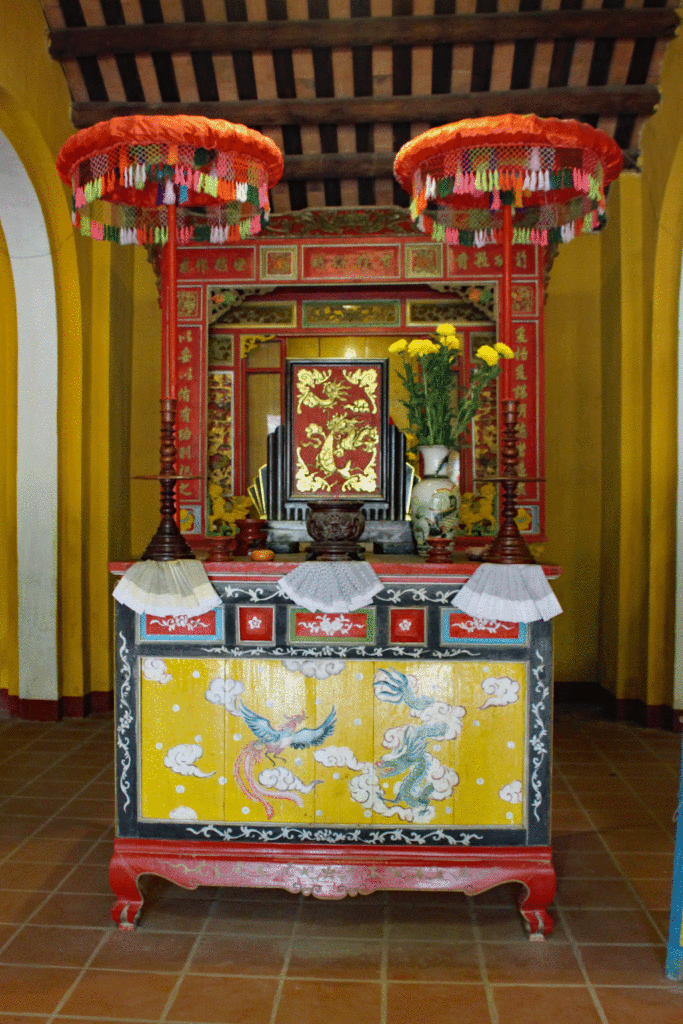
x=495 y=202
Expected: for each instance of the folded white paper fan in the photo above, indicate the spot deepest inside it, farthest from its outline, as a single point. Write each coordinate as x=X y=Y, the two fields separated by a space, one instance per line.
x=180 y=587
x=331 y=586
x=508 y=593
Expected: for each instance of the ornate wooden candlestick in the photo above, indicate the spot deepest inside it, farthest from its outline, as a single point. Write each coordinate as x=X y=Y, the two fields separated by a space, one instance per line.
x=222 y=549
x=252 y=534
x=440 y=549
x=168 y=542
x=509 y=547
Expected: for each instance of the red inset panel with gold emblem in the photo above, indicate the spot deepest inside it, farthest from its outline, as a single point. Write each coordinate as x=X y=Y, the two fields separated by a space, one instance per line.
x=337 y=428
x=256 y=625
x=408 y=625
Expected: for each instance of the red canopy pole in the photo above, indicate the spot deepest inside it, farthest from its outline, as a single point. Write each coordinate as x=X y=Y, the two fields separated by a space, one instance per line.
x=172 y=302
x=168 y=542
x=505 y=307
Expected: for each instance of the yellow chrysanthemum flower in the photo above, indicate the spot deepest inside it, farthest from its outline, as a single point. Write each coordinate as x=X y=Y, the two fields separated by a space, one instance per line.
x=453 y=342
x=422 y=347
x=445 y=329
x=399 y=346
x=504 y=350
x=488 y=354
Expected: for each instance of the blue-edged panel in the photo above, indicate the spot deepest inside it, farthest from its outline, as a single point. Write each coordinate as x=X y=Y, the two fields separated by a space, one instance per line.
x=181 y=629
x=468 y=631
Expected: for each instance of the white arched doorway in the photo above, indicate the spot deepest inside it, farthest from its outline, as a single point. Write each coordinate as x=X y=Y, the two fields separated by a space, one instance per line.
x=678 y=660
x=37 y=367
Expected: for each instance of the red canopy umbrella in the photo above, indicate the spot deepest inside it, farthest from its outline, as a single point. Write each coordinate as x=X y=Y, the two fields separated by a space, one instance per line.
x=134 y=180
x=515 y=178
x=508 y=179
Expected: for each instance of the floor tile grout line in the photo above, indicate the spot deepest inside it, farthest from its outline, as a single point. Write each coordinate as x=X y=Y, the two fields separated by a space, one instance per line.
x=654 y=753
x=78 y=978
x=182 y=973
x=50 y=893
x=48 y=896
x=21 y=749
x=50 y=818
x=481 y=958
x=384 y=962
x=579 y=959
x=285 y=964
x=624 y=782
x=627 y=881
x=620 y=774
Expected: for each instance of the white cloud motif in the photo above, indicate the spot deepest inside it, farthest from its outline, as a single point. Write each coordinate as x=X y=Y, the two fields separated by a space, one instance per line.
x=442 y=778
x=512 y=793
x=318 y=668
x=282 y=779
x=155 y=670
x=183 y=814
x=440 y=714
x=393 y=738
x=181 y=760
x=337 y=757
x=500 y=690
x=225 y=692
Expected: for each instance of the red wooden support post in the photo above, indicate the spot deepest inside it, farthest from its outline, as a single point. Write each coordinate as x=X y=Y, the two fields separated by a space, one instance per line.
x=505 y=305
x=172 y=302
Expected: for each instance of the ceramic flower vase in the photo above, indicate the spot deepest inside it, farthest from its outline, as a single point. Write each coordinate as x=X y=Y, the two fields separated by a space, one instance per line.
x=435 y=500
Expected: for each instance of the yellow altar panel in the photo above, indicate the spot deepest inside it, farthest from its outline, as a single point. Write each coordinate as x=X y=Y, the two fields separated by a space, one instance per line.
x=268 y=779
x=343 y=762
x=182 y=739
x=450 y=743
x=492 y=747
x=414 y=768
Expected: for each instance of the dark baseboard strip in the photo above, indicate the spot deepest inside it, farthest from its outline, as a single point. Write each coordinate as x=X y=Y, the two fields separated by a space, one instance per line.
x=99 y=702
x=650 y=716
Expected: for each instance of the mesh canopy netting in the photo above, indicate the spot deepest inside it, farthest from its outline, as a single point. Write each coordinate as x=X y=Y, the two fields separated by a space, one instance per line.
x=552 y=174
x=125 y=172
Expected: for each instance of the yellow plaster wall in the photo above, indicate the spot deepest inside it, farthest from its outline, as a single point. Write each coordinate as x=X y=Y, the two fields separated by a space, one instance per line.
x=34 y=115
x=573 y=457
x=625 y=519
x=34 y=105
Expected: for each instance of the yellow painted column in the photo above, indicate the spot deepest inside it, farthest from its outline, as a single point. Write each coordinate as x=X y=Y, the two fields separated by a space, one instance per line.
x=624 y=528
x=97 y=624
x=662 y=451
x=573 y=458
x=9 y=655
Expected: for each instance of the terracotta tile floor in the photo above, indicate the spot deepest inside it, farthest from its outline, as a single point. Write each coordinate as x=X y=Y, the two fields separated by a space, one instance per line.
x=260 y=957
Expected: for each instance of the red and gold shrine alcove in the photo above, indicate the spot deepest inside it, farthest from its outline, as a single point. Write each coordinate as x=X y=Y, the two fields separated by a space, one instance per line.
x=330 y=286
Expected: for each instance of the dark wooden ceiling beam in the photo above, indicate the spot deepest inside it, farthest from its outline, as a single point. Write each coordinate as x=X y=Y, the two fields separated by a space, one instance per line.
x=601 y=101
x=463 y=29
x=351 y=166
x=343 y=166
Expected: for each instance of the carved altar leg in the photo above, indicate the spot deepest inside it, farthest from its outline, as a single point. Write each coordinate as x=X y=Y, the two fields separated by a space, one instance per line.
x=124 y=885
x=534 y=905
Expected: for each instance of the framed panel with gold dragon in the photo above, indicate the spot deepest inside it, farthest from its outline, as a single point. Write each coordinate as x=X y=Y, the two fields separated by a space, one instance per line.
x=337 y=429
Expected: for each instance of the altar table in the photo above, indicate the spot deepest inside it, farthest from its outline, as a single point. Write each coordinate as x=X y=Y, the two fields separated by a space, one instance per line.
x=404 y=745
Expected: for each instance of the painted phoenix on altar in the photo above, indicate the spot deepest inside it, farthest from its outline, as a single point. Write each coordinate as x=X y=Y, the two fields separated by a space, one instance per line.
x=278 y=782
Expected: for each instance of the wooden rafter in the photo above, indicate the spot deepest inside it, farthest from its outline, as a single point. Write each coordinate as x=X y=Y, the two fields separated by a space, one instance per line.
x=224 y=37
x=602 y=101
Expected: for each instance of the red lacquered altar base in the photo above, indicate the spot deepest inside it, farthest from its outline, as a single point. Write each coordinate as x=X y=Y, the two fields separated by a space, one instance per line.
x=332 y=873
